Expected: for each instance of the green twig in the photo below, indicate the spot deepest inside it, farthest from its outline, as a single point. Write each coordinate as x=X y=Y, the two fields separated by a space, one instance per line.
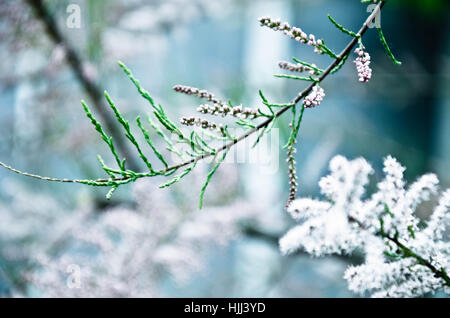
x=386 y=47
x=308 y=79
x=340 y=27
x=108 y=140
x=125 y=124
x=178 y=177
x=208 y=179
x=150 y=143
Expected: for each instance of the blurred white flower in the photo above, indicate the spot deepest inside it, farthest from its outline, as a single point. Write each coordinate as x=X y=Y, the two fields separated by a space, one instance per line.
x=123 y=251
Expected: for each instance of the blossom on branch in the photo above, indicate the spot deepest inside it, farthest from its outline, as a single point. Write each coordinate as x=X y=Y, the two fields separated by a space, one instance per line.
x=315 y=97
x=363 y=65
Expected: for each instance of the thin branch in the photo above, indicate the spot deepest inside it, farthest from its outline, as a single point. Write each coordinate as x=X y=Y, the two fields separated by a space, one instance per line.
x=297 y=99
x=133 y=176
x=273 y=239
x=410 y=253
x=407 y=251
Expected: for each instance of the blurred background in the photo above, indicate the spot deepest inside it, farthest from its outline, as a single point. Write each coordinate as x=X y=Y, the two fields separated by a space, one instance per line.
x=68 y=240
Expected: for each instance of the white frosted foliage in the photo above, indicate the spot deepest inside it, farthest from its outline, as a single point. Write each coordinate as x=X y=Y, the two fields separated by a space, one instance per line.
x=403 y=258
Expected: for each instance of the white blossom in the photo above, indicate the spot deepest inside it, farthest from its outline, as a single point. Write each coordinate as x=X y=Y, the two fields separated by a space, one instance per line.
x=362 y=63
x=299 y=68
x=293 y=32
x=315 y=97
x=402 y=257
x=123 y=251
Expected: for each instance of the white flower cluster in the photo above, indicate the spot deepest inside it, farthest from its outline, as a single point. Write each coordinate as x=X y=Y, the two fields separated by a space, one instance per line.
x=403 y=258
x=293 y=32
x=298 y=68
x=315 y=97
x=203 y=123
x=197 y=92
x=218 y=107
x=363 y=65
x=236 y=111
x=192 y=121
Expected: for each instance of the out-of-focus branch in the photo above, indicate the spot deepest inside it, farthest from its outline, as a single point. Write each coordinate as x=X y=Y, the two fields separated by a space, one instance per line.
x=273 y=239
x=92 y=89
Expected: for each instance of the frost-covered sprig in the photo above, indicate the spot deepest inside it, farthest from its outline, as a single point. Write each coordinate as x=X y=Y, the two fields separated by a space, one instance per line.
x=315 y=97
x=403 y=258
x=363 y=65
x=188 y=90
x=295 y=33
x=299 y=68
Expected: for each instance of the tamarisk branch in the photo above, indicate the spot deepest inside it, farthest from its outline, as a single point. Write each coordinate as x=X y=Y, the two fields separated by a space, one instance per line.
x=312 y=96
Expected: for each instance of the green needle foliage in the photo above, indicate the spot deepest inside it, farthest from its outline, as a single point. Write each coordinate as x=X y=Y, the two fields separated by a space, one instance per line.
x=258 y=121
x=386 y=47
x=340 y=27
x=108 y=140
x=150 y=143
x=208 y=178
x=126 y=125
